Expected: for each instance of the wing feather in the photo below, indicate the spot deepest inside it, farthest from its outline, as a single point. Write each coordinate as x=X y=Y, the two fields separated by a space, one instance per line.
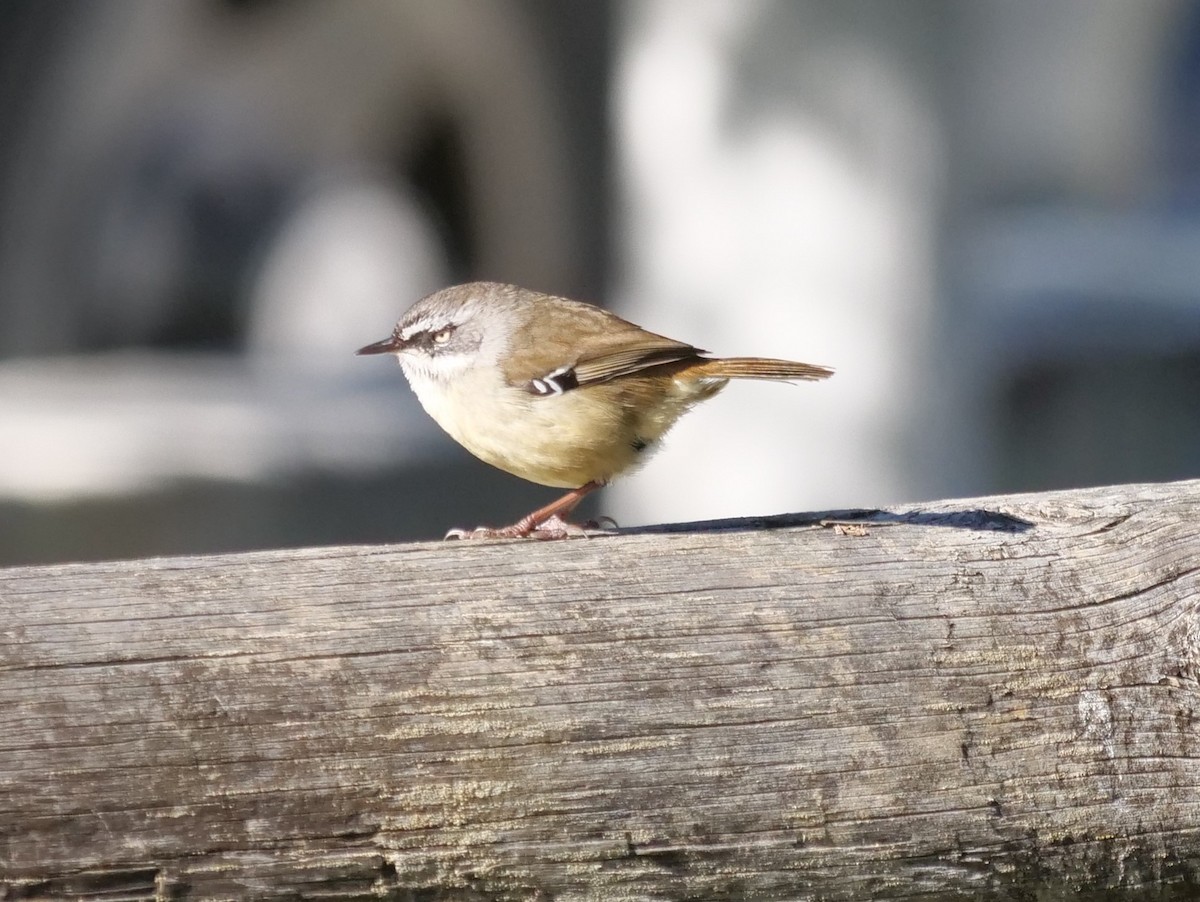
x=615 y=364
x=615 y=347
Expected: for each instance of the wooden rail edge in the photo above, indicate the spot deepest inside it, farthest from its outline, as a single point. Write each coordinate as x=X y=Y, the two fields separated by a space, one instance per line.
x=994 y=698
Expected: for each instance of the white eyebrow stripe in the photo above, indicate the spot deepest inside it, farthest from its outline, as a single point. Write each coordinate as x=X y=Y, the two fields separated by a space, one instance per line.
x=415 y=328
x=428 y=324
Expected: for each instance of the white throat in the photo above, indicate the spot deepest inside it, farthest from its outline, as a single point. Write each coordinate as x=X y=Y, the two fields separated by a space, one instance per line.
x=422 y=368
x=452 y=392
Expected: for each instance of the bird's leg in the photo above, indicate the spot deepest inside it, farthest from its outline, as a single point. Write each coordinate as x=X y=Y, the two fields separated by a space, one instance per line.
x=550 y=522
x=544 y=523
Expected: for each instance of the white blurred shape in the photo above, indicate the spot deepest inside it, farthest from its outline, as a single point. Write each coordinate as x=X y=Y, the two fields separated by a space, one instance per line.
x=778 y=179
x=342 y=269
x=353 y=257
x=106 y=425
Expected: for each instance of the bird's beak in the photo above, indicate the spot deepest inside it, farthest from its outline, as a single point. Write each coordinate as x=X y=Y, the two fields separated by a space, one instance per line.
x=390 y=345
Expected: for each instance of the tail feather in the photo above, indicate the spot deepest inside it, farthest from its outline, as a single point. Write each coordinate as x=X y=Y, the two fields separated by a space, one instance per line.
x=760 y=368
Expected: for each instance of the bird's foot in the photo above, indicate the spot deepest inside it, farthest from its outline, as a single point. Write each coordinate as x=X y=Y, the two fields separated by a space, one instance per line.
x=481 y=532
x=554 y=527
x=558 y=528
x=544 y=523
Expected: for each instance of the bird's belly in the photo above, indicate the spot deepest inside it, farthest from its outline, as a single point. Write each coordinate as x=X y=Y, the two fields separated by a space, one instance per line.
x=552 y=441
x=593 y=433
x=588 y=435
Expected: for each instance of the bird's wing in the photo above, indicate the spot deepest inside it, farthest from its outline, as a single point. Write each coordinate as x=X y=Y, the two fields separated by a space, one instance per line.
x=631 y=359
x=612 y=347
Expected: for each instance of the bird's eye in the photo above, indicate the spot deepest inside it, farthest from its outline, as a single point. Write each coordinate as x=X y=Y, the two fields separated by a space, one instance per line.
x=441 y=336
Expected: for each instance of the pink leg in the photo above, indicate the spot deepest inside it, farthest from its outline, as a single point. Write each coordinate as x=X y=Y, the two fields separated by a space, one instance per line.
x=544 y=523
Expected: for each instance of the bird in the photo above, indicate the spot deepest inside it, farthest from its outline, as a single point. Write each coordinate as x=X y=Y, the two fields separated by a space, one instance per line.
x=556 y=391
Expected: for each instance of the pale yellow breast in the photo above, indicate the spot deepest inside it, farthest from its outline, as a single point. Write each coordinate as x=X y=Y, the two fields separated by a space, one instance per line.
x=593 y=433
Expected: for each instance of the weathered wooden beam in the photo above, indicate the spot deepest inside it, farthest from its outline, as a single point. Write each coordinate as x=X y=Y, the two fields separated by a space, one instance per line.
x=995 y=697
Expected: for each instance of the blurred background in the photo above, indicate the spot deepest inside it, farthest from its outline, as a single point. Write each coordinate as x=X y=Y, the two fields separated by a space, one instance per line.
x=985 y=216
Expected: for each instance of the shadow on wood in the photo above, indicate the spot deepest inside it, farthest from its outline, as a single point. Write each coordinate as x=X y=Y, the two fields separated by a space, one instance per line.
x=771 y=709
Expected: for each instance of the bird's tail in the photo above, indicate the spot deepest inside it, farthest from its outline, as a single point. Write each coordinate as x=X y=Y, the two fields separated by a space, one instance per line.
x=760 y=368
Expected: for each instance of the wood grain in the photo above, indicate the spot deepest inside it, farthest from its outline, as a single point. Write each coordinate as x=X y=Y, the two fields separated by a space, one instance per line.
x=994 y=698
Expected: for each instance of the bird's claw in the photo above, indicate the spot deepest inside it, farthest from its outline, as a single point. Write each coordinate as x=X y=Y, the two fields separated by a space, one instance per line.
x=552 y=528
x=601 y=524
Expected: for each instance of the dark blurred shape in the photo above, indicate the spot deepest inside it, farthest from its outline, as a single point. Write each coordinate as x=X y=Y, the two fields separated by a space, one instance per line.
x=436 y=167
x=1104 y=420
x=1180 y=107
x=156 y=159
